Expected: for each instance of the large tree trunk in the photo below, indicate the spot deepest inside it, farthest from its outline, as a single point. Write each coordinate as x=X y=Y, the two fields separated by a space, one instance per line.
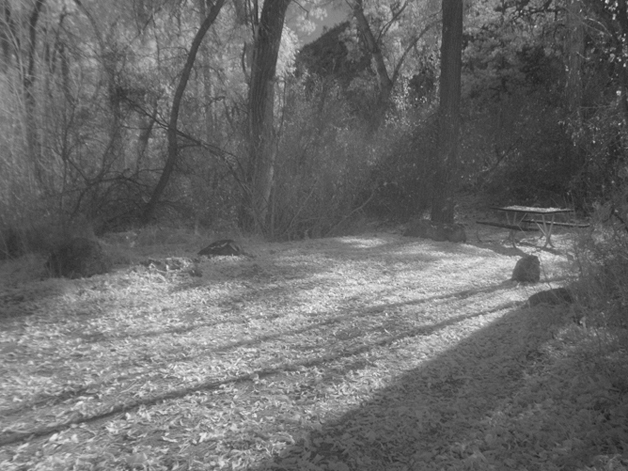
x=149 y=211
x=262 y=143
x=448 y=114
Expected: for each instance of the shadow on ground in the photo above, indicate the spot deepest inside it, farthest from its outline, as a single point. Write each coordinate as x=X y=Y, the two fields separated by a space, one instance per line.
x=444 y=413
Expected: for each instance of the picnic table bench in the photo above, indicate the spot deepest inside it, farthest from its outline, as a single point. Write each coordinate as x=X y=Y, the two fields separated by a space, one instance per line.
x=529 y=218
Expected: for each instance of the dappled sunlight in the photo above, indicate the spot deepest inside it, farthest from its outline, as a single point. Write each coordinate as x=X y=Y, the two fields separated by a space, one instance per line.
x=291 y=353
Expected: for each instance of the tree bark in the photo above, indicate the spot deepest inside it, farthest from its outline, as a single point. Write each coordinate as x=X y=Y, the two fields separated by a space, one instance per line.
x=262 y=145
x=448 y=114
x=149 y=210
x=622 y=19
x=207 y=84
x=574 y=89
x=28 y=82
x=146 y=123
x=109 y=66
x=575 y=42
x=383 y=79
x=7 y=30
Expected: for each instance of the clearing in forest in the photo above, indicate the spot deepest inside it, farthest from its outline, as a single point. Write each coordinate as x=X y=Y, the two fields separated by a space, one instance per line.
x=373 y=352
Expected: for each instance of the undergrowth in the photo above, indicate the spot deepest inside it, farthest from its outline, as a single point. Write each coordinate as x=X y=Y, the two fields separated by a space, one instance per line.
x=601 y=256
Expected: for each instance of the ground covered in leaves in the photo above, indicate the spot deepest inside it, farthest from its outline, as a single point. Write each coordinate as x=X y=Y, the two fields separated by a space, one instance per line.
x=372 y=352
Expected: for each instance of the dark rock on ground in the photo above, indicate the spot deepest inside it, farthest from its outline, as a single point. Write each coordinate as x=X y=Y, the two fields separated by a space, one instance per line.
x=552 y=297
x=527 y=269
x=440 y=232
x=455 y=233
x=78 y=258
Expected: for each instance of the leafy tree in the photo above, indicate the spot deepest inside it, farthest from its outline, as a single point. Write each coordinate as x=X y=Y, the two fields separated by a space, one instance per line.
x=390 y=17
x=176 y=104
x=379 y=49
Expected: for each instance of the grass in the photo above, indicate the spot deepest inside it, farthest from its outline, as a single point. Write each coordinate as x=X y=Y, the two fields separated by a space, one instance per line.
x=372 y=352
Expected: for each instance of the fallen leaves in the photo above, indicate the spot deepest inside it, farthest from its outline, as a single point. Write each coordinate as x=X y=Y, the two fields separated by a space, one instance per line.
x=338 y=354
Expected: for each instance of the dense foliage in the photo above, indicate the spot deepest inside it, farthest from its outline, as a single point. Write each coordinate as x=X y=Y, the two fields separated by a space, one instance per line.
x=91 y=91
x=225 y=116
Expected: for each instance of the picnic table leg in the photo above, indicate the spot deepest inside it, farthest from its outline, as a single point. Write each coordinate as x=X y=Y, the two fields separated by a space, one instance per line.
x=513 y=222
x=511 y=232
x=513 y=238
x=546 y=229
x=549 y=232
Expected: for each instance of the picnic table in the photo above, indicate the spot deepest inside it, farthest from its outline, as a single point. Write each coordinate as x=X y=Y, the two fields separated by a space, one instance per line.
x=530 y=218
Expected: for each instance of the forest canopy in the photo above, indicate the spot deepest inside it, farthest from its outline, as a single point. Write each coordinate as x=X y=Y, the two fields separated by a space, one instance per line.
x=216 y=114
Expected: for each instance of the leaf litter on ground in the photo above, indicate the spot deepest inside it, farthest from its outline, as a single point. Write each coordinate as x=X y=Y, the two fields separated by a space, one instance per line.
x=367 y=352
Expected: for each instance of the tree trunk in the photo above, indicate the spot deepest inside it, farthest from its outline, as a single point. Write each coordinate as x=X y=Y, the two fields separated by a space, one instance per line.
x=207 y=85
x=145 y=119
x=149 y=211
x=115 y=123
x=7 y=30
x=448 y=114
x=622 y=18
x=30 y=102
x=262 y=145
x=383 y=79
x=574 y=88
x=575 y=44
x=145 y=125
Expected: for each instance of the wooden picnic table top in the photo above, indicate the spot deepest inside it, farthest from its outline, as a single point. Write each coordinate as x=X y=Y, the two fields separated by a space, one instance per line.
x=532 y=209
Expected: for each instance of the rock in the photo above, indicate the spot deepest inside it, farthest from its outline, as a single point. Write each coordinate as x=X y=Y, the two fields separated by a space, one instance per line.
x=221 y=247
x=552 y=297
x=527 y=269
x=440 y=232
x=78 y=258
x=455 y=233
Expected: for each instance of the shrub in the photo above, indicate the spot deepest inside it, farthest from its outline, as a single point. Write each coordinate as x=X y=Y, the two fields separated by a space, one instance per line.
x=321 y=165
x=401 y=178
x=602 y=260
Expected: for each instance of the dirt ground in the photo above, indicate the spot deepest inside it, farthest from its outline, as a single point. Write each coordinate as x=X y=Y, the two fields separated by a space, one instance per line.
x=366 y=352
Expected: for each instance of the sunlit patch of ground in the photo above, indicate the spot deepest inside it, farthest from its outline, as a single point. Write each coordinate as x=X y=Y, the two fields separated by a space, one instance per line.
x=366 y=352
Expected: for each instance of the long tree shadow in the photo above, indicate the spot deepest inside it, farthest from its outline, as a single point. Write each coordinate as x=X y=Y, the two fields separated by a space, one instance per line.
x=353 y=351
x=334 y=349
x=422 y=409
x=439 y=415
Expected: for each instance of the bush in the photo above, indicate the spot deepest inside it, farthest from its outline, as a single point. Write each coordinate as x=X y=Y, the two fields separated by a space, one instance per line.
x=602 y=259
x=321 y=166
x=402 y=177
x=77 y=258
